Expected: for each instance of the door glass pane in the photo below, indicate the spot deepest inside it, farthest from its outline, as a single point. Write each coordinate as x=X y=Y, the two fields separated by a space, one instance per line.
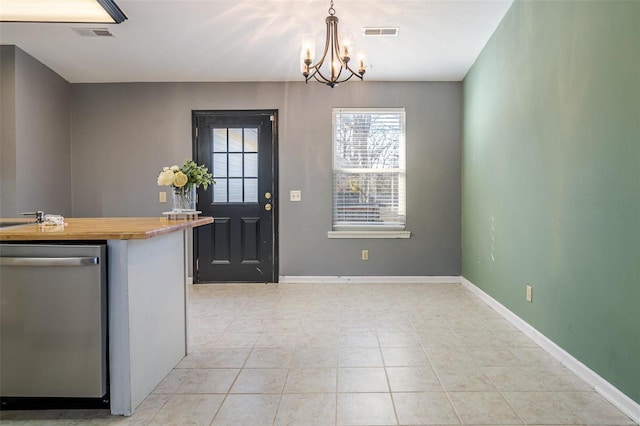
x=250 y=140
x=236 y=173
x=219 y=165
x=251 y=165
x=220 y=191
x=235 y=140
x=219 y=140
x=235 y=190
x=251 y=190
x=235 y=165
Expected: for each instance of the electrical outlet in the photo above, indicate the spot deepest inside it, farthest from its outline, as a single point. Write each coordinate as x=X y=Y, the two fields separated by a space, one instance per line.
x=295 y=195
x=365 y=254
x=162 y=197
x=529 y=293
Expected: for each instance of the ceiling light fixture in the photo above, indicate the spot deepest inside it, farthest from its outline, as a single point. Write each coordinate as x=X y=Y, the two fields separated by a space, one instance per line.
x=339 y=50
x=76 y=11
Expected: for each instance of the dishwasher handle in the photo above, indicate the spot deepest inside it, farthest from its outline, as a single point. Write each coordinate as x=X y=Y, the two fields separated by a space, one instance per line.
x=49 y=261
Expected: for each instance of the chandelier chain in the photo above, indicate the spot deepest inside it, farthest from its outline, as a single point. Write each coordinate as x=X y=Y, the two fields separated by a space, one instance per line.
x=332 y=11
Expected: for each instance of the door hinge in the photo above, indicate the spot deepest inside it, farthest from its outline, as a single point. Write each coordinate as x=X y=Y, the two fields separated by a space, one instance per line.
x=272 y=118
x=196 y=132
x=197 y=265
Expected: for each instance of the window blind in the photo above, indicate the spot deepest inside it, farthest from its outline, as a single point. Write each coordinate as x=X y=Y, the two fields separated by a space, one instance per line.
x=369 y=174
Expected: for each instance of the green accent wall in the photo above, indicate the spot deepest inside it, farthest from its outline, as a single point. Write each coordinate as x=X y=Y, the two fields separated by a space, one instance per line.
x=551 y=177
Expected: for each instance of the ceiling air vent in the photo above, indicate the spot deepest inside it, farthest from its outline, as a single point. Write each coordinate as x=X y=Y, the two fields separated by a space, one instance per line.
x=92 y=32
x=381 y=31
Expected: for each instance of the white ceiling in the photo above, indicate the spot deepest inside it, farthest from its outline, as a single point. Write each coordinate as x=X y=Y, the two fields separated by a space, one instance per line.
x=259 y=40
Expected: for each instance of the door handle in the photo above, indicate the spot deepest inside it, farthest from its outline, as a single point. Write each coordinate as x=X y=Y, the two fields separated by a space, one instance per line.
x=268 y=205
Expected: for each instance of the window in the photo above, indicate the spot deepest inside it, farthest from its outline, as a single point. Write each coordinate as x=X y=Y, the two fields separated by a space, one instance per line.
x=369 y=174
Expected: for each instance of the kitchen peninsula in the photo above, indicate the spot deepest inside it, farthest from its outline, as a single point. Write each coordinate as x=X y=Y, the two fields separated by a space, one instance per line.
x=147 y=294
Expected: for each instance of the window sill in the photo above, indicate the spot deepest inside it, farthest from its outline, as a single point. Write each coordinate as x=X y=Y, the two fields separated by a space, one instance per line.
x=369 y=234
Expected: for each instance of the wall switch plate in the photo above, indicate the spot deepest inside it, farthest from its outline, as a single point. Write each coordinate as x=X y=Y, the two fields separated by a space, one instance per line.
x=529 y=293
x=365 y=254
x=162 y=197
x=295 y=195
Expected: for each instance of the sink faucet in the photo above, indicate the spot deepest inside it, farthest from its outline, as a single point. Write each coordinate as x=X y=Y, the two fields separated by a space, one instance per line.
x=39 y=215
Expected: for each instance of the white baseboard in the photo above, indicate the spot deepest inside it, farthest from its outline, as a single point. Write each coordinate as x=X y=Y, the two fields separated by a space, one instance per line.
x=602 y=386
x=323 y=279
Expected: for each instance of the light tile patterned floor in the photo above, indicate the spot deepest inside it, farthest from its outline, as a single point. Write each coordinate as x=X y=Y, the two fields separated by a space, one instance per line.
x=354 y=354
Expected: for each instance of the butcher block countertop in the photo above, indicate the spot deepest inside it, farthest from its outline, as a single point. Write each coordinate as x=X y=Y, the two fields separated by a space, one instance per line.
x=101 y=228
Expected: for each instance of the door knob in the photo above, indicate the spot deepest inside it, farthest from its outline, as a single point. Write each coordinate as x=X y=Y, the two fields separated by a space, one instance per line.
x=267 y=195
x=267 y=207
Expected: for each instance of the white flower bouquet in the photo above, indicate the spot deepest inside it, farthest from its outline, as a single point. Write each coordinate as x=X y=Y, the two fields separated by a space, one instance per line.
x=184 y=181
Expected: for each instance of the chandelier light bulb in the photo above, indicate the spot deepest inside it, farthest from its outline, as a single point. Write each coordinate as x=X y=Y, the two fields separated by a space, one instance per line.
x=346 y=46
x=308 y=51
x=336 y=66
x=362 y=62
x=304 y=68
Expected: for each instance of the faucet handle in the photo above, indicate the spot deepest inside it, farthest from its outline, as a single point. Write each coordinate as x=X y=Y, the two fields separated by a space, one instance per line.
x=38 y=214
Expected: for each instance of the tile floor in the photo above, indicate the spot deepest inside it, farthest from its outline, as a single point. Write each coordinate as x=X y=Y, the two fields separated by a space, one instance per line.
x=354 y=354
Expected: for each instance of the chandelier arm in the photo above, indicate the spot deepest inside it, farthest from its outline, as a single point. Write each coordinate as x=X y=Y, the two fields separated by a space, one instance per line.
x=310 y=76
x=330 y=82
x=349 y=78
x=335 y=48
x=317 y=72
x=357 y=74
x=346 y=78
x=322 y=78
x=335 y=79
x=318 y=64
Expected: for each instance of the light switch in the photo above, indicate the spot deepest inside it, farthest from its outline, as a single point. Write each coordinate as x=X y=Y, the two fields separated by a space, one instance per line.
x=162 y=197
x=295 y=195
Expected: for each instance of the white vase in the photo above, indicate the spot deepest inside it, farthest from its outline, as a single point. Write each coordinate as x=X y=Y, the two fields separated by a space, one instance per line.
x=184 y=199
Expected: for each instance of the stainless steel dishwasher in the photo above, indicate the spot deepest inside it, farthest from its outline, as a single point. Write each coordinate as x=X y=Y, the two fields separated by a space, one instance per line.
x=53 y=320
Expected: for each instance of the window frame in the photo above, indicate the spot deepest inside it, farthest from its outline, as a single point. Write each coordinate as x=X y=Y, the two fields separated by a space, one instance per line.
x=370 y=230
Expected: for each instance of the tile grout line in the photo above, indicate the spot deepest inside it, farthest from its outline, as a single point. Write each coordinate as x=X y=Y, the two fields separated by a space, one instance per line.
x=386 y=374
x=455 y=411
x=232 y=384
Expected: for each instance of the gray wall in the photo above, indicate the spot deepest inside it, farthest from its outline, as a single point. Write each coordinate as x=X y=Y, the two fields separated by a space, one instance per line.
x=36 y=149
x=122 y=134
x=7 y=131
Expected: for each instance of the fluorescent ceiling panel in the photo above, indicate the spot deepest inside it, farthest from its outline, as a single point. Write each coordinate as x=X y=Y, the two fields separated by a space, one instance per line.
x=90 y=11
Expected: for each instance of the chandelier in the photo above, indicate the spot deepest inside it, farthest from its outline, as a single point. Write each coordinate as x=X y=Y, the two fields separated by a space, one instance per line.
x=337 y=54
